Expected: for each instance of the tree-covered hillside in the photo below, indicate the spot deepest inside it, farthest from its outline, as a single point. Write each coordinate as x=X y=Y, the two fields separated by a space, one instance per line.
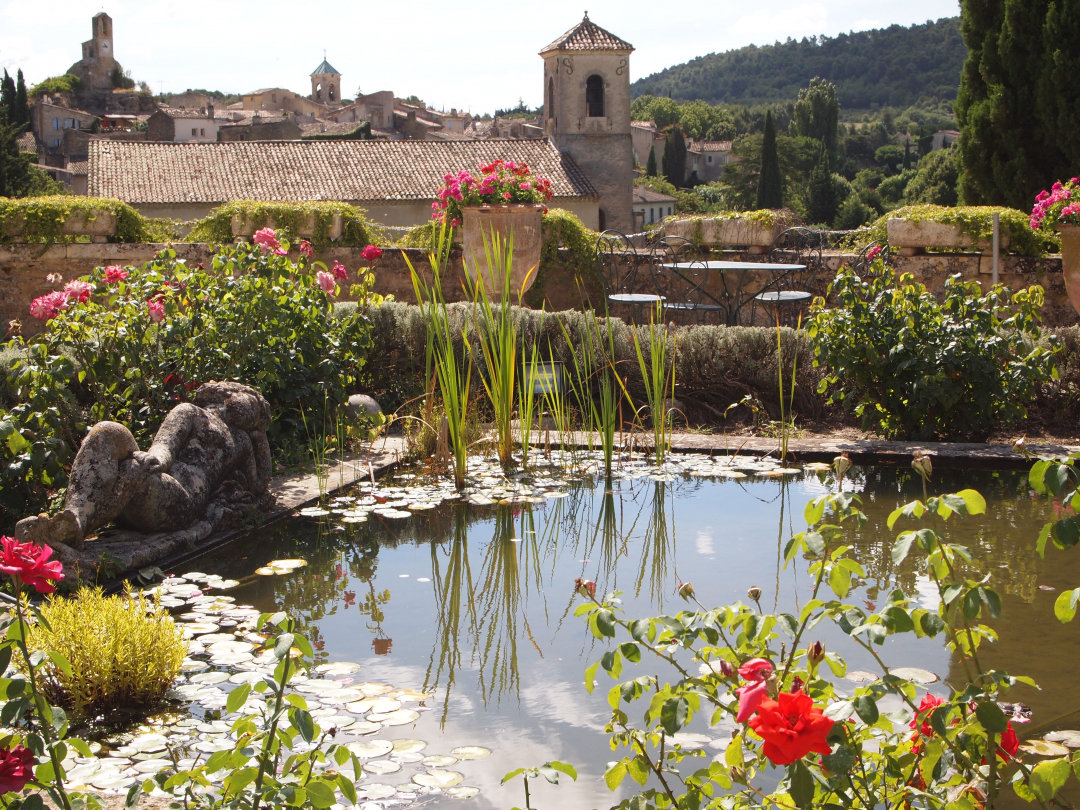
x=895 y=67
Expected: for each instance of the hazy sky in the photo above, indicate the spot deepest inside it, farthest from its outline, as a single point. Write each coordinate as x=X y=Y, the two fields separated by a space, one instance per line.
x=470 y=54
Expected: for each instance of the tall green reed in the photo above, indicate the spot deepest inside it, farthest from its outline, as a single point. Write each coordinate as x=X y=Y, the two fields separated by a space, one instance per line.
x=454 y=374
x=787 y=421
x=595 y=385
x=658 y=377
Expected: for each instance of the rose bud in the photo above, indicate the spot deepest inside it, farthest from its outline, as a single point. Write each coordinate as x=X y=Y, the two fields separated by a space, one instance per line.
x=686 y=590
x=754 y=593
x=585 y=587
x=816 y=653
x=726 y=669
x=842 y=463
x=921 y=464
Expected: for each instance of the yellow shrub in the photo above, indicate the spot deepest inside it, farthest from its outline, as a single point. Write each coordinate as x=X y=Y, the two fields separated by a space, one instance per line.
x=124 y=654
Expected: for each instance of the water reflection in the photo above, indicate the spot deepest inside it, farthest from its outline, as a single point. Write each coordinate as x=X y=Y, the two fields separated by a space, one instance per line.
x=478 y=602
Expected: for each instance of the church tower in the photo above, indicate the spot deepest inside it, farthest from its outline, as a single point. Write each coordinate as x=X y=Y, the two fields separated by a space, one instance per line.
x=587 y=113
x=98 y=62
x=326 y=84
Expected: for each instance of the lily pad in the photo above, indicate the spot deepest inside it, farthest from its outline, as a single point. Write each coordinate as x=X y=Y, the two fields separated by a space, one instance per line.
x=406 y=757
x=690 y=741
x=375 y=791
x=1068 y=738
x=409 y=746
x=400 y=717
x=438 y=761
x=462 y=792
x=381 y=767
x=338 y=668
x=915 y=675
x=859 y=676
x=1042 y=748
x=374 y=689
x=470 y=752
x=370 y=749
x=438 y=778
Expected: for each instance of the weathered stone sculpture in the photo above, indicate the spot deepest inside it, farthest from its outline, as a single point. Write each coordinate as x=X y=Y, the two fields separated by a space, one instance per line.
x=208 y=465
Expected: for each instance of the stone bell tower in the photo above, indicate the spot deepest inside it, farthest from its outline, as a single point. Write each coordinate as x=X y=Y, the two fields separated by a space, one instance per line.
x=99 y=61
x=326 y=84
x=587 y=113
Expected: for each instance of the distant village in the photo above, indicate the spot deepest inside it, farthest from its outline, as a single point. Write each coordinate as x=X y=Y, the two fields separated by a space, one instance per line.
x=68 y=129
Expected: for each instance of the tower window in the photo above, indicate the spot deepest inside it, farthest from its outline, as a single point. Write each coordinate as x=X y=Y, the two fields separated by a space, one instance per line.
x=318 y=92
x=330 y=94
x=594 y=96
x=549 y=112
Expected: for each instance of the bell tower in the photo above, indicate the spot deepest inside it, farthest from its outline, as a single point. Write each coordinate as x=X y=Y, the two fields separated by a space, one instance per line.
x=326 y=84
x=587 y=113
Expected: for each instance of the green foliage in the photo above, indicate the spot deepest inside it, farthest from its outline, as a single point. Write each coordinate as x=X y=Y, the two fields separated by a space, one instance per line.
x=1018 y=100
x=560 y=228
x=770 y=192
x=894 y=66
x=797 y=158
x=914 y=367
x=19 y=174
x=975 y=221
x=289 y=216
x=43 y=218
x=67 y=83
x=662 y=111
x=854 y=213
x=650 y=166
x=817 y=113
x=121 y=79
x=823 y=200
x=704 y=122
x=124 y=654
x=936 y=180
x=675 y=156
x=891 y=157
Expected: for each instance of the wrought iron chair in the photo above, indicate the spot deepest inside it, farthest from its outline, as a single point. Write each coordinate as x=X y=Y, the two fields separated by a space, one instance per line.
x=617 y=264
x=788 y=294
x=680 y=275
x=863 y=266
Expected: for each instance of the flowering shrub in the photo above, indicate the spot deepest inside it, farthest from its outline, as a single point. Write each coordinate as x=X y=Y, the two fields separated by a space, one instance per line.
x=1056 y=206
x=762 y=674
x=143 y=338
x=501 y=182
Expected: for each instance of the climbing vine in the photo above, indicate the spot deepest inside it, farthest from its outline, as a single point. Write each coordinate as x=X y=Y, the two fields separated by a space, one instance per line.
x=562 y=229
x=41 y=220
x=974 y=221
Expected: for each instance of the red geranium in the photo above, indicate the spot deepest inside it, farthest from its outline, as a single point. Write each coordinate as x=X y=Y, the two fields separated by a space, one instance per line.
x=792 y=727
x=16 y=768
x=30 y=564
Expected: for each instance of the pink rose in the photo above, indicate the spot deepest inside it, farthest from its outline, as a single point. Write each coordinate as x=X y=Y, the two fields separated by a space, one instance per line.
x=454 y=223
x=115 y=274
x=371 y=253
x=79 y=290
x=41 y=309
x=326 y=281
x=54 y=278
x=266 y=239
x=156 y=310
x=340 y=272
x=306 y=249
x=524 y=186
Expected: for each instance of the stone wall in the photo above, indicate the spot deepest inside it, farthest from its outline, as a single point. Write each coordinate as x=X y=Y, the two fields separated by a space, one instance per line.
x=23 y=271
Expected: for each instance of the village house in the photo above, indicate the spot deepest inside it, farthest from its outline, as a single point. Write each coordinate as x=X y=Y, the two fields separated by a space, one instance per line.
x=706 y=161
x=650 y=207
x=395 y=181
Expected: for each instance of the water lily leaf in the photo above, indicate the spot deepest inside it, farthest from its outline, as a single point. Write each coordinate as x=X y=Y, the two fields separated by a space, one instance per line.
x=915 y=675
x=1069 y=738
x=412 y=746
x=462 y=792
x=470 y=752
x=1042 y=748
x=438 y=778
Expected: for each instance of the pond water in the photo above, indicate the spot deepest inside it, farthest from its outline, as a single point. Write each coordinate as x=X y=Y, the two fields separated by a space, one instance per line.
x=474 y=604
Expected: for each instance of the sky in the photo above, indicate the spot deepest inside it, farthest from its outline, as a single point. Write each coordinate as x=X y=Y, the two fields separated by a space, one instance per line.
x=476 y=55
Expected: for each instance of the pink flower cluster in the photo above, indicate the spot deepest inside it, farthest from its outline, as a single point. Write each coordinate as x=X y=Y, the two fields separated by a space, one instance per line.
x=115 y=274
x=1053 y=206
x=268 y=241
x=502 y=181
x=47 y=306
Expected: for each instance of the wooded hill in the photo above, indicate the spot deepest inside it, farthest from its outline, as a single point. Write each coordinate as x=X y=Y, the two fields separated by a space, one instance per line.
x=894 y=67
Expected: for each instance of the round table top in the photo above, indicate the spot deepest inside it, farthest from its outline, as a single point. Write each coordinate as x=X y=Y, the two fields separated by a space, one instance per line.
x=717 y=265
x=783 y=296
x=635 y=298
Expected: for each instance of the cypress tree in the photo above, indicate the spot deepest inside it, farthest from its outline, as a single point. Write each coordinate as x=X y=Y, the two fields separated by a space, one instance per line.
x=907 y=155
x=22 y=106
x=770 y=192
x=822 y=204
x=1018 y=99
x=7 y=91
x=675 y=156
x=650 y=167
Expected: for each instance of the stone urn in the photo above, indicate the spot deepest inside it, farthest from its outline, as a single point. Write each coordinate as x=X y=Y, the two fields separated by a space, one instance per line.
x=1070 y=261
x=522 y=222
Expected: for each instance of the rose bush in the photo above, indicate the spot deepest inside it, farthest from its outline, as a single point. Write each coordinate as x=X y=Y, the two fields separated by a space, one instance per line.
x=501 y=182
x=760 y=676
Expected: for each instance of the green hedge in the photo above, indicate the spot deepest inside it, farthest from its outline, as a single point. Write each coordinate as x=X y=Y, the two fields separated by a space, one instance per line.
x=357 y=231
x=975 y=221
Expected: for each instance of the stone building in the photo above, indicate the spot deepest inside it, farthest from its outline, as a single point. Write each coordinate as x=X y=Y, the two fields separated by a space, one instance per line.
x=706 y=161
x=173 y=124
x=395 y=181
x=326 y=84
x=650 y=207
x=587 y=113
x=98 y=60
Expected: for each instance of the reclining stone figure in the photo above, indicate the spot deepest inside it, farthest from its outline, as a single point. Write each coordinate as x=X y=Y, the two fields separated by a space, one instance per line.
x=209 y=462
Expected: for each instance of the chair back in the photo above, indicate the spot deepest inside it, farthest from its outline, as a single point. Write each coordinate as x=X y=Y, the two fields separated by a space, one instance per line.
x=864 y=265
x=617 y=262
x=795 y=246
x=683 y=288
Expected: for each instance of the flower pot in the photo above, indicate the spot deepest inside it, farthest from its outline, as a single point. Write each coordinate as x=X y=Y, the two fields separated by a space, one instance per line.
x=1070 y=261
x=520 y=221
x=733 y=232
x=98 y=226
x=910 y=236
x=243 y=228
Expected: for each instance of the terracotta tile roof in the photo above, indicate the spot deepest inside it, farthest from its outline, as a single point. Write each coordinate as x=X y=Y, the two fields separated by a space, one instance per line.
x=27 y=142
x=180 y=112
x=328 y=127
x=588 y=36
x=351 y=171
x=78 y=166
x=709 y=146
x=647 y=195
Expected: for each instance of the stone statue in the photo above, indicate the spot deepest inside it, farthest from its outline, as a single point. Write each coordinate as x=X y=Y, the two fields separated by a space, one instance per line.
x=207 y=466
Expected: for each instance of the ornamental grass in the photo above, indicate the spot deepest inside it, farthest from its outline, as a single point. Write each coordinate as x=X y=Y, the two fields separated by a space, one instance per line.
x=124 y=653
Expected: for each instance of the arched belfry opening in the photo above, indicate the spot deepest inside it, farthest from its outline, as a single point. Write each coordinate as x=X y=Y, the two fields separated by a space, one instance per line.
x=594 y=96
x=549 y=104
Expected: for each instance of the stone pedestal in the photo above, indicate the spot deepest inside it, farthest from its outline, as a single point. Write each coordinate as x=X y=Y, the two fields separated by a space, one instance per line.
x=523 y=224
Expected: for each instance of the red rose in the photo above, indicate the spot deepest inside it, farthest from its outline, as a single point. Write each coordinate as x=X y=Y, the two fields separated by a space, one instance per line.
x=371 y=253
x=30 y=564
x=791 y=727
x=1009 y=744
x=921 y=723
x=16 y=768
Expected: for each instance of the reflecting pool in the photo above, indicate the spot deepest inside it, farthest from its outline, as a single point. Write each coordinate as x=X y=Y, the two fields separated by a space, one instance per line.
x=475 y=603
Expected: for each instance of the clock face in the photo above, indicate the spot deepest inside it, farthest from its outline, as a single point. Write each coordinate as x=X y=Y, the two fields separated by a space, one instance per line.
x=105 y=46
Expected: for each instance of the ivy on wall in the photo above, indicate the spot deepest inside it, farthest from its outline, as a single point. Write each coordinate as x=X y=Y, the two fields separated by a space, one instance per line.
x=41 y=220
x=292 y=216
